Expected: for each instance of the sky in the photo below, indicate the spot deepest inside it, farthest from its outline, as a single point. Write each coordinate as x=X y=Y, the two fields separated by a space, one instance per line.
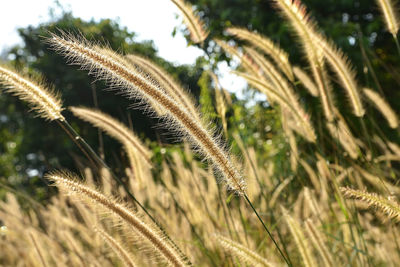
x=149 y=19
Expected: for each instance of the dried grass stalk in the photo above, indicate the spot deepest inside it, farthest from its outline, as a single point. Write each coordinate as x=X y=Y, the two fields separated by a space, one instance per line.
x=195 y=25
x=383 y=107
x=40 y=97
x=243 y=253
x=114 y=128
x=305 y=29
x=122 y=253
x=389 y=12
x=267 y=46
x=389 y=207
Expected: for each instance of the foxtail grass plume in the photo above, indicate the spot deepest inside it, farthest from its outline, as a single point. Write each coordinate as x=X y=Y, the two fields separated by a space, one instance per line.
x=242 y=252
x=273 y=75
x=247 y=63
x=305 y=29
x=195 y=25
x=281 y=85
x=69 y=184
x=345 y=72
x=389 y=12
x=43 y=100
x=300 y=240
x=389 y=207
x=38 y=249
x=306 y=81
x=127 y=64
x=319 y=243
x=122 y=253
x=341 y=132
x=267 y=46
x=383 y=107
x=263 y=86
x=221 y=101
x=135 y=85
x=113 y=128
x=166 y=82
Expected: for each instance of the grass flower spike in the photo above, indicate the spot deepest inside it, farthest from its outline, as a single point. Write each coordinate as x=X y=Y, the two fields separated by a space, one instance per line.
x=305 y=29
x=139 y=87
x=195 y=26
x=306 y=81
x=390 y=14
x=166 y=82
x=69 y=184
x=114 y=128
x=243 y=253
x=383 y=107
x=122 y=253
x=389 y=207
x=42 y=99
x=345 y=72
x=266 y=46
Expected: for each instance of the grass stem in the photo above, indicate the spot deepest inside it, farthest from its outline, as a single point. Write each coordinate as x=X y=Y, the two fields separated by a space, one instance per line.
x=269 y=233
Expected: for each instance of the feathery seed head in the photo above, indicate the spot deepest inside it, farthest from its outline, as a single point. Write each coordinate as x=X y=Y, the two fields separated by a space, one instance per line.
x=300 y=240
x=195 y=25
x=114 y=128
x=267 y=46
x=344 y=70
x=341 y=132
x=389 y=207
x=389 y=114
x=306 y=81
x=389 y=12
x=305 y=129
x=122 y=253
x=242 y=252
x=305 y=29
x=246 y=61
x=42 y=99
x=138 y=86
x=69 y=183
x=166 y=82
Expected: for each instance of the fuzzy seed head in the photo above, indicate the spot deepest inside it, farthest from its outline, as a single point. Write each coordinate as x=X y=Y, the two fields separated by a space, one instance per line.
x=383 y=107
x=137 y=86
x=114 y=128
x=195 y=25
x=389 y=207
x=68 y=183
x=43 y=100
x=389 y=12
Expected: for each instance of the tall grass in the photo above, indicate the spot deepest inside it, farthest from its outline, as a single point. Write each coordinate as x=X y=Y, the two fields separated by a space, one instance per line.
x=325 y=192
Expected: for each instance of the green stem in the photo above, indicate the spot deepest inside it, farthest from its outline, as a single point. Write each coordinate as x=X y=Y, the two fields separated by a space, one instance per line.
x=269 y=233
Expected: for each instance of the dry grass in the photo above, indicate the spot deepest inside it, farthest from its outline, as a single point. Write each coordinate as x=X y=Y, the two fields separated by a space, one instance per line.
x=313 y=201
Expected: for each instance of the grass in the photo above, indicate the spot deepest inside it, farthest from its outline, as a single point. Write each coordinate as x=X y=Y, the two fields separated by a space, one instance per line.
x=303 y=206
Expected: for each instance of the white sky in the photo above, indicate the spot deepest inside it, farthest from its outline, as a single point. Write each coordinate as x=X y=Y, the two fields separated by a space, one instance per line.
x=149 y=19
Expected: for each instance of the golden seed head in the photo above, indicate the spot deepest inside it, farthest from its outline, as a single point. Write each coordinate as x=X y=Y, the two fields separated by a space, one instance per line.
x=43 y=100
